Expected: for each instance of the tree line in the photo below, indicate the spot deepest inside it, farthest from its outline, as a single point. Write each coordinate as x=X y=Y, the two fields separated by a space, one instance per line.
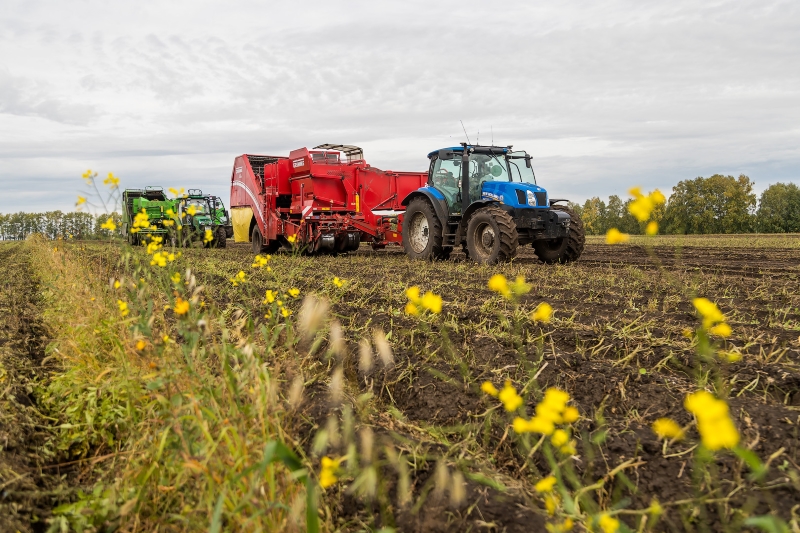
x=55 y=224
x=719 y=204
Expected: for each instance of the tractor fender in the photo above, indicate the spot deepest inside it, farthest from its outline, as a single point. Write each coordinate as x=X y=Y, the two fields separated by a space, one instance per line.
x=474 y=206
x=434 y=197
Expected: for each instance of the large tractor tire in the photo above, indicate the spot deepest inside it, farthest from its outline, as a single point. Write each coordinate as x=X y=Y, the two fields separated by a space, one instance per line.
x=491 y=236
x=422 y=231
x=566 y=249
x=220 y=238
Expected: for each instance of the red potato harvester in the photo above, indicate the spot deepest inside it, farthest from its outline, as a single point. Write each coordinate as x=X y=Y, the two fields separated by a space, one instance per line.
x=326 y=199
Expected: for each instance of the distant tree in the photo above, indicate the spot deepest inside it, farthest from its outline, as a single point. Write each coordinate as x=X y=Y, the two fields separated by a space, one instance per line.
x=593 y=214
x=779 y=209
x=719 y=204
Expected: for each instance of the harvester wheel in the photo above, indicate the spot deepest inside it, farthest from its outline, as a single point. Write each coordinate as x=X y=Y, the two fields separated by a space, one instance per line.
x=491 y=236
x=565 y=249
x=221 y=238
x=422 y=231
x=257 y=240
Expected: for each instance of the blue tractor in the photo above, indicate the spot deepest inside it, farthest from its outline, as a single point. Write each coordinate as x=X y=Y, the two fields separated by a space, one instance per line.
x=485 y=198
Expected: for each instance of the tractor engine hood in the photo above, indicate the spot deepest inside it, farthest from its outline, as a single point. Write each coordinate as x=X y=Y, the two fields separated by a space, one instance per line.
x=515 y=194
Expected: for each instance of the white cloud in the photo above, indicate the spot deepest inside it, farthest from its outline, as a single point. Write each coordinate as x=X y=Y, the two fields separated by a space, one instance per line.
x=604 y=95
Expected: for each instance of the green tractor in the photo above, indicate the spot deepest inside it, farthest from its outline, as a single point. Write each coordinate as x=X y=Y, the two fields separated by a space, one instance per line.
x=184 y=221
x=150 y=201
x=221 y=216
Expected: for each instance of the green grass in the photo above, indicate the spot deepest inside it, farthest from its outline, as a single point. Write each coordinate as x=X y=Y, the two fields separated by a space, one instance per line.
x=184 y=425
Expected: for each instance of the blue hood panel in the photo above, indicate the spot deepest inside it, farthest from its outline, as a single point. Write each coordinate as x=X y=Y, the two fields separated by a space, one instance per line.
x=506 y=192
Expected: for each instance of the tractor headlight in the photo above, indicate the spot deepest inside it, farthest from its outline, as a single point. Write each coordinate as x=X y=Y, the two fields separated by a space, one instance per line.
x=531 y=199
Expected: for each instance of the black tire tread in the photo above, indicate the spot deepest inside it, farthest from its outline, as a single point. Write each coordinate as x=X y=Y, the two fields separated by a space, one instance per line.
x=436 y=249
x=576 y=239
x=509 y=237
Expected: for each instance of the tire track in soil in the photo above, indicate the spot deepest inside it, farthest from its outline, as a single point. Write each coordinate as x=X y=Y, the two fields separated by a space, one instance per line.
x=29 y=485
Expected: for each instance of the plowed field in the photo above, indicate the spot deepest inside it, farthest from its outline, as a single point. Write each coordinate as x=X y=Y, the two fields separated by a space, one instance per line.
x=426 y=449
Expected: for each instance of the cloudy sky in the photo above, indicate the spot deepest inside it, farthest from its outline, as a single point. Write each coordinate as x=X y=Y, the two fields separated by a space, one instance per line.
x=604 y=95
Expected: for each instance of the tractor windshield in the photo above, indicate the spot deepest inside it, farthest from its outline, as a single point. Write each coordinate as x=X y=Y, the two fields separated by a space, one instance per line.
x=521 y=169
x=195 y=206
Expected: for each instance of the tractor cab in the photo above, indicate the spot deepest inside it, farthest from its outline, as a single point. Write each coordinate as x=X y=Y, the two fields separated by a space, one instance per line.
x=493 y=173
x=486 y=199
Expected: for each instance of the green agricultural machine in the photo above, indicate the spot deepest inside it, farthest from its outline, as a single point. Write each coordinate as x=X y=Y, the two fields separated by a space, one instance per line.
x=180 y=221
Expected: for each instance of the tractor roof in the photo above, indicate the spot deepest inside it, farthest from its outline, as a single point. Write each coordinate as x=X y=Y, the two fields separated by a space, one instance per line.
x=480 y=149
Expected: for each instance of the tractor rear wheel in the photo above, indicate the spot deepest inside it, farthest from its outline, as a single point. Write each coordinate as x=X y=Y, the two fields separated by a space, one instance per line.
x=422 y=231
x=220 y=238
x=491 y=236
x=566 y=249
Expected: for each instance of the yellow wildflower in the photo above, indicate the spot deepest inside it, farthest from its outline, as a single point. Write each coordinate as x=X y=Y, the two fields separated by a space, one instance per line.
x=709 y=311
x=714 y=423
x=176 y=278
x=111 y=180
x=123 y=308
x=191 y=210
x=241 y=277
x=171 y=257
x=294 y=293
x=176 y=192
x=412 y=293
x=338 y=282
x=209 y=236
x=109 y=225
x=642 y=206
x=570 y=415
x=260 y=261
x=81 y=200
x=499 y=284
x=536 y=424
x=329 y=470
x=140 y=345
x=489 y=389
x=285 y=312
x=116 y=284
x=87 y=175
x=432 y=302
x=615 y=236
x=652 y=228
x=269 y=297
x=508 y=395
x=608 y=523
x=563 y=527
x=721 y=330
x=551 y=503
x=181 y=306
x=159 y=259
x=545 y=484
x=666 y=428
x=655 y=508
x=292 y=239
x=559 y=438
x=165 y=338
x=542 y=313
x=519 y=287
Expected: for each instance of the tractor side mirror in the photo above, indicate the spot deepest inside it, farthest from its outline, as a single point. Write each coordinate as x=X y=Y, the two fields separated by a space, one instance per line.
x=528 y=161
x=446 y=154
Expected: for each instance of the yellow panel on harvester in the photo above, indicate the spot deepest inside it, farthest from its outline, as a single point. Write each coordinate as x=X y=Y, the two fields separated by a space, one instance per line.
x=241 y=217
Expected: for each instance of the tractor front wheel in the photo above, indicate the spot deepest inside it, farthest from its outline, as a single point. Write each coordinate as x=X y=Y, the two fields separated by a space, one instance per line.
x=566 y=249
x=491 y=236
x=220 y=238
x=422 y=231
